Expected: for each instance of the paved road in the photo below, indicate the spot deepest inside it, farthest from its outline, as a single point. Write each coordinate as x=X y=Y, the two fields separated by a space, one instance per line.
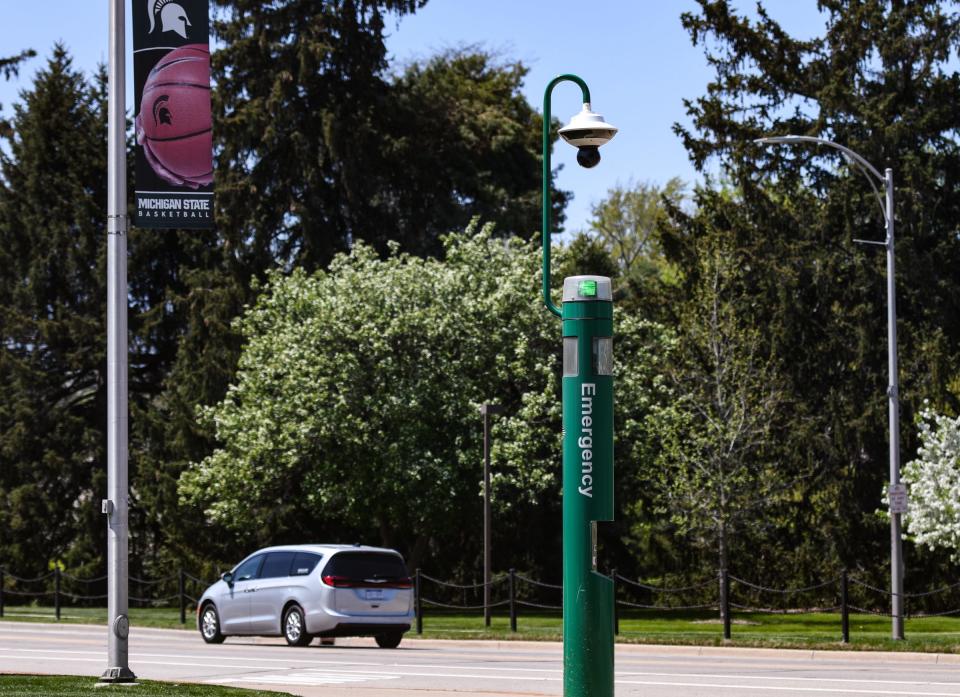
x=356 y=668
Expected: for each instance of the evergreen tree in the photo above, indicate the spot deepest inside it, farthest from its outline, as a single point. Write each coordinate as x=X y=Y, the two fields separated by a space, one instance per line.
x=52 y=308
x=320 y=147
x=10 y=67
x=463 y=142
x=879 y=81
x=299 y=102
x=52 y=315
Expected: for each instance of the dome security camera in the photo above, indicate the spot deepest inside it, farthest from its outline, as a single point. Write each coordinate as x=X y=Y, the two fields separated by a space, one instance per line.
x=587 y=131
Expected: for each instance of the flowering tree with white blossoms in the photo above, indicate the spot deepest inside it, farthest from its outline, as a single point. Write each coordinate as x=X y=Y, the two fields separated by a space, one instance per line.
x=355 y=406
x=933 y=518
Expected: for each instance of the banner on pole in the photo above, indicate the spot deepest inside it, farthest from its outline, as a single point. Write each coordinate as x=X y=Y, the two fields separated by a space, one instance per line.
x=171 y=73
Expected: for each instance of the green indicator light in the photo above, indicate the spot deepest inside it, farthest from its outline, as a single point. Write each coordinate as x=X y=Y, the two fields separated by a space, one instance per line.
x=587 y=289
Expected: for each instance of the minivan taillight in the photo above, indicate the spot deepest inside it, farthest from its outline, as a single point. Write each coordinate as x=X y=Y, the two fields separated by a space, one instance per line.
x=337 y=581
x=344 y=582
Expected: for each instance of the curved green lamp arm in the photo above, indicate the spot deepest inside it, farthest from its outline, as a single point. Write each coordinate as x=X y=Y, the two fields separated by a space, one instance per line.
x=546 y=201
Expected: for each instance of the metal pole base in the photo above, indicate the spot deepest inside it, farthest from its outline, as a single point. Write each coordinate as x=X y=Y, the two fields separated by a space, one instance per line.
x=114 y=675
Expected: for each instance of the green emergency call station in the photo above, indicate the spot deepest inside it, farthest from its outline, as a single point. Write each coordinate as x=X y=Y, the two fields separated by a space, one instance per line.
x=587 y=317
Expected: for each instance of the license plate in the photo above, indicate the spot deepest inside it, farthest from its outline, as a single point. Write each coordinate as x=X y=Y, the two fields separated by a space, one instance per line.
x=374 y=594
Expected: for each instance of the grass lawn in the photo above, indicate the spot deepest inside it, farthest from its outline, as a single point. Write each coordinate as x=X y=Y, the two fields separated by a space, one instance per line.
x=60 y=686
x=807 y=631
x=167 y=618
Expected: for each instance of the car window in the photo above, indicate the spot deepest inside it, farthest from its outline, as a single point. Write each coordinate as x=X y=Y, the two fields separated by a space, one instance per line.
x=277 y=564
x=248 y=569
x=363 y=565
x=303 y=563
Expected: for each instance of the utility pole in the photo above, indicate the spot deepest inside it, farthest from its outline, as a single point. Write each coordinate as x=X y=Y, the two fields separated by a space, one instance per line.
x=116 y=504
x=487 y=410
x=893 y=418
x=897 y=494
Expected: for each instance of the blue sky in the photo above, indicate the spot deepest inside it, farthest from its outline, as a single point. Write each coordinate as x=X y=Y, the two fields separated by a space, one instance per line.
x=635 y=56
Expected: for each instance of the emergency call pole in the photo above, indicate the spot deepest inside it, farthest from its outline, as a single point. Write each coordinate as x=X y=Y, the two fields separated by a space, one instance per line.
x=587 y=430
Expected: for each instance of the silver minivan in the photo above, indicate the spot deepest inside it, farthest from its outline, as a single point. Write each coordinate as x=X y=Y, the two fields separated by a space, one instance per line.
x=306 y=591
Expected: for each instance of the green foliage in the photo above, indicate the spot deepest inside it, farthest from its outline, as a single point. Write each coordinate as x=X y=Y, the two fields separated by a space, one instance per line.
x=626 y=222
x=585 y=255
x=299 y=101
x=52 y=312
x=464 y=142
x=880 y=82
x=717 y=472
x=349 y=377
x=354 y=411
x=62 y=686
x=10 y=67
x=52 y=304
x=356 y=404
x=319 y=146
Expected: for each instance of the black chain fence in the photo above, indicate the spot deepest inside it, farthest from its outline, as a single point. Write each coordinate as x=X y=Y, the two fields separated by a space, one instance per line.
x=515 y=591
x=61 y=589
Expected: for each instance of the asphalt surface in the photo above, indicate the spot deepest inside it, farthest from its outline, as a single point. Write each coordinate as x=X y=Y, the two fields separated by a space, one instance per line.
x=419 y=668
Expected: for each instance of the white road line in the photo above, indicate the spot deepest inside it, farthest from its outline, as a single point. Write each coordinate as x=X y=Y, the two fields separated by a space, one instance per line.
x=779 y=688
x=305 y=678
x=68 y=659
x=59 y=632
x=721 y=676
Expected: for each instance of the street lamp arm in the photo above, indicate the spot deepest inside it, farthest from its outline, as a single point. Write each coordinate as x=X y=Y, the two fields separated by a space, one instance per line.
x=823 y=141
x=865 y=166
x=547 y=202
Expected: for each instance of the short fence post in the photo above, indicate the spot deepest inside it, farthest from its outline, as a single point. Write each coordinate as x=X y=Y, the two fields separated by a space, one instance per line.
x=56 y=591
x=3 y=574
x=513 y=600
x=418 y=600
x=182 y=592
x=725 y=602
x=844 y=609
x=616 y=610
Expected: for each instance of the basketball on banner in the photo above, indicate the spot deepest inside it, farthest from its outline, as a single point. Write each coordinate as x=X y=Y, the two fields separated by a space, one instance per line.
x=173 y=122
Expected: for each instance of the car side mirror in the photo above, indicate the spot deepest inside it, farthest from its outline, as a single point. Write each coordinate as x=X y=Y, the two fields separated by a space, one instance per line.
x=227 y=577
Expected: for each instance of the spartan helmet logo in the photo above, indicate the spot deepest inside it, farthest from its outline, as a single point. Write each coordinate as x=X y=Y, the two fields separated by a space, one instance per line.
x=172 y=16
x=161 y=112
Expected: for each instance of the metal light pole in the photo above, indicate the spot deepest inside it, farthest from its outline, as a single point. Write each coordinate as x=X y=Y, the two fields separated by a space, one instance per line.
x=487 y=410
x=587 y=315
x=893 y=387
x=115 y=505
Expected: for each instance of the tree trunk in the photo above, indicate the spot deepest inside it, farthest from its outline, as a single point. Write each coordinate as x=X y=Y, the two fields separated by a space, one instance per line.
x=417 y=552
x=722 y=549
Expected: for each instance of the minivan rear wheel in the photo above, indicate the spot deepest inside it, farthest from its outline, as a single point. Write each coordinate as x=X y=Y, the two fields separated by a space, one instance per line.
x=389 y=640
x=294 y=627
